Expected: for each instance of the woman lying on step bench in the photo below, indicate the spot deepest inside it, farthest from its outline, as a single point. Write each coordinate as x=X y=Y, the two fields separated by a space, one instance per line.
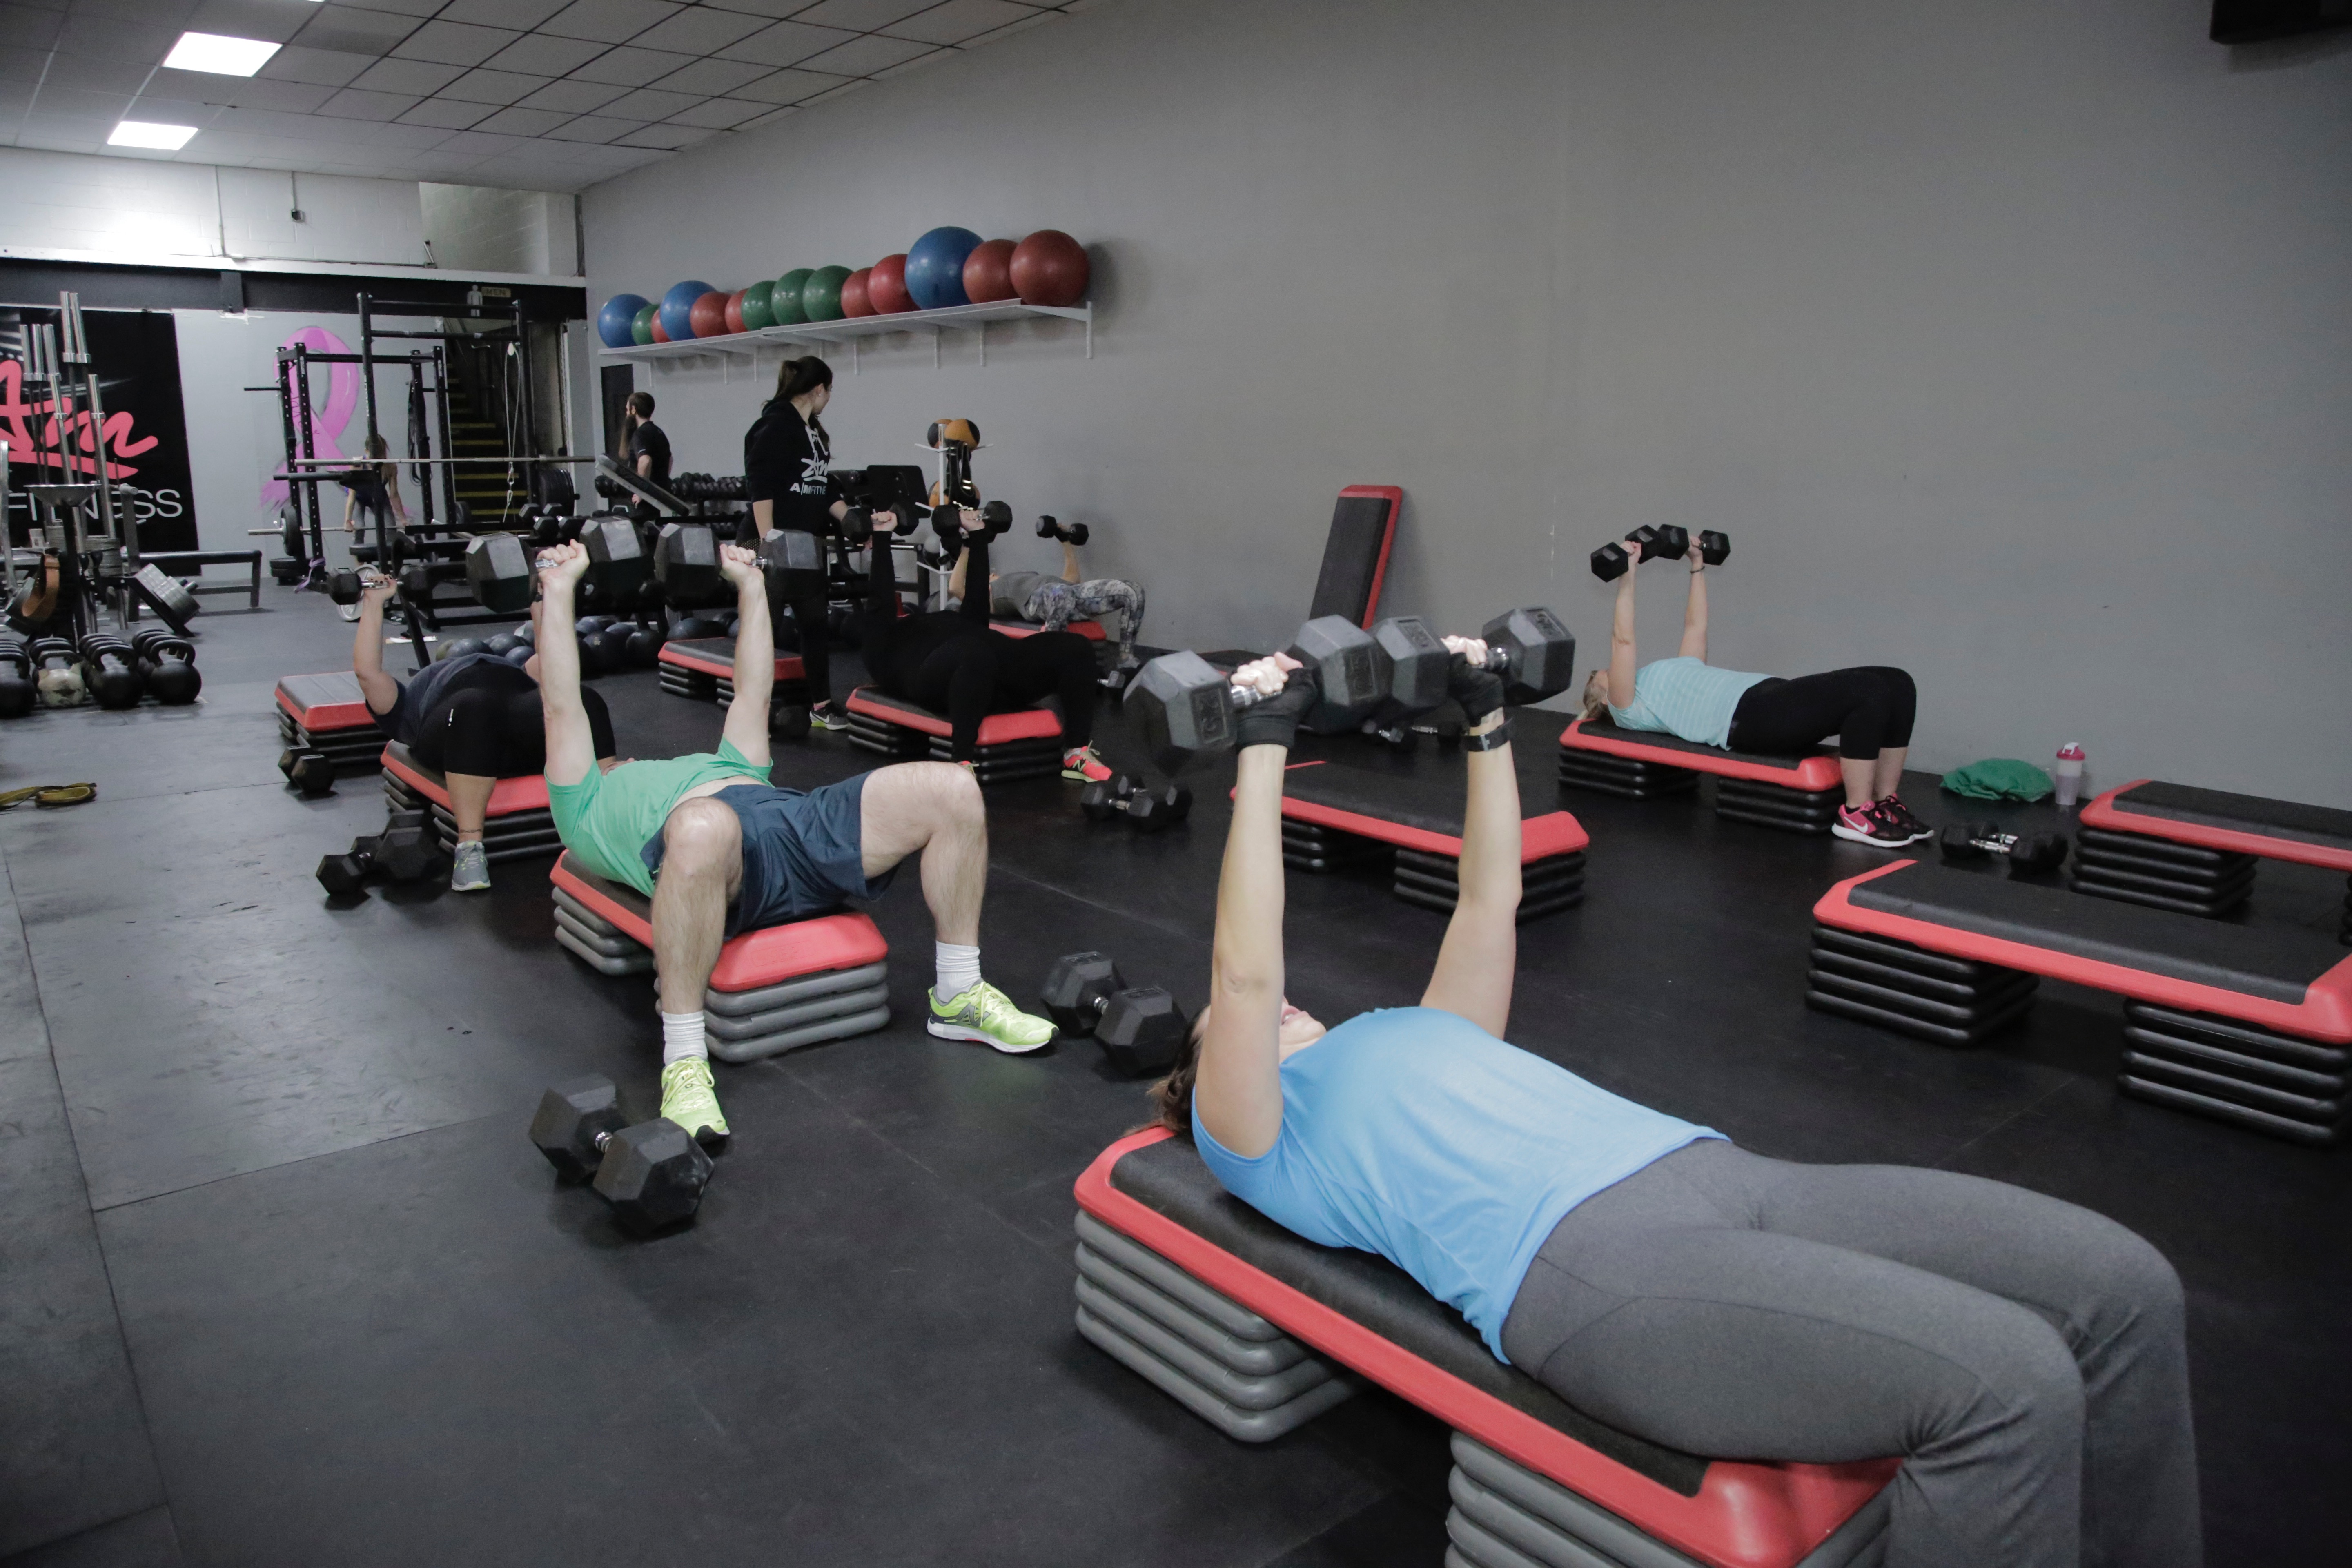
x=2023 y=1356
x=1868 y=708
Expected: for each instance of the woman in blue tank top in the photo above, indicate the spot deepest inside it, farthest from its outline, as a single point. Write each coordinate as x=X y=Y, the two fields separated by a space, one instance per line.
x=1868 y=708
x=2026 y=1357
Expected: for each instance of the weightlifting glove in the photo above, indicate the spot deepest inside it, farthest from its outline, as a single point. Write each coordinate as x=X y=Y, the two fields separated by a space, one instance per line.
x=1479 y=692
x=1274 y=720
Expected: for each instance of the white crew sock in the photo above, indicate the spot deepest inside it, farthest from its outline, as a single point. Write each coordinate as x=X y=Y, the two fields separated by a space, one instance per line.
x=959 y=969
x=682 y=1037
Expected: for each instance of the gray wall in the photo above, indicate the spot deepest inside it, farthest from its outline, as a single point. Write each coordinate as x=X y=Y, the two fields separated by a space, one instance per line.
x=2011 y=341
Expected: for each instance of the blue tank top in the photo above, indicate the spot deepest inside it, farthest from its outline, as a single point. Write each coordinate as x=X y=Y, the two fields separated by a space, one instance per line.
x=1685 y=697
x=1413 y=1133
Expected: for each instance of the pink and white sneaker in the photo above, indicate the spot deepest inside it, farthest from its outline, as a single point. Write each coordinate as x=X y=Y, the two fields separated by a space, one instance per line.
x=1868 y=825
x=1080 y=765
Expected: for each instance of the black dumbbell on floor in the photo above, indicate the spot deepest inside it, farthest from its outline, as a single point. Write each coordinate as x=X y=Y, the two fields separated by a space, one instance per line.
x=1047 y=528
x=1140 y=1029
x=2028 y=854
x=309 y=772
x=405 y=851
x=1146 y=810
x=652 y=1174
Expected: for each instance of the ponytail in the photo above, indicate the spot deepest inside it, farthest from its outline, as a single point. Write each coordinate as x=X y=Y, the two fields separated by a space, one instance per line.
x=798 y=378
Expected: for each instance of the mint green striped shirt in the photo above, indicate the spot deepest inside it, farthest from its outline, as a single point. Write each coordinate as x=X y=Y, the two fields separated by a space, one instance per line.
x=1685 y=697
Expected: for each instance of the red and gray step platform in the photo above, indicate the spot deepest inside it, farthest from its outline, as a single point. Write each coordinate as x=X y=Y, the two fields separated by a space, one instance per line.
x=326 y=713
x=1090 y=630
x=1797 y=795
x=2248 y=1023
x=1336 y=813
x=772 y=990
x=1023 y=744
x=1256 y=1330
x=2175 y=847
x=516 y=825
x=704 y=669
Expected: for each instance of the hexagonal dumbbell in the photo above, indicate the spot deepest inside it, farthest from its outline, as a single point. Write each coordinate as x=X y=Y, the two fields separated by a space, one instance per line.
x=1145 y=810
x=1142 y=1031
x=652 y=1174
x=1076 y=988
x=1188 y=705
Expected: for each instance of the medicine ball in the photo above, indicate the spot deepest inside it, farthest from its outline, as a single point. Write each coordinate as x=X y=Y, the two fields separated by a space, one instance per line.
x=935 y=266
x=460 y=646
x=1049 y=268
x=676 y=314
x=707 y=315
x=988 y=271
x=886 y=286
x=784 y=299
x=821 y=295
x=756 y=309
x=641 y=325
x=614 y=323
x=853 y=300
x=502 y=645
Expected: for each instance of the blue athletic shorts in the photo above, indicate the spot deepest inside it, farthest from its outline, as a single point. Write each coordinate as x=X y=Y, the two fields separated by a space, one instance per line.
x=802 y=852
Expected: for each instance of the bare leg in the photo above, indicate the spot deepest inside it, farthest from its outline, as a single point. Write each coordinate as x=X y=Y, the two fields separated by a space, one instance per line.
x=469 y=802
x=1887 y=773
x=933 y=808
x=1858 y=772
x=702 y=868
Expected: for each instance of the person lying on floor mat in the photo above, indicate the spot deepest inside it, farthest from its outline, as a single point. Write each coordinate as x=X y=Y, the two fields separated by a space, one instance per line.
x=721 y=851
x=954 y=663
x=474 y=719
x=2025 y=1357
x=1053 y=603
x=1868 y=708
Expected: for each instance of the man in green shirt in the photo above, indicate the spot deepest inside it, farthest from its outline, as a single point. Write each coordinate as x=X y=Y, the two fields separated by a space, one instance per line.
x=721 y=850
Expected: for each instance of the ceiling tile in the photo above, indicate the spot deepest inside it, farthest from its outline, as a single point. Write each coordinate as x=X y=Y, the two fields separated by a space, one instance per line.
x=524 y=14
x=114 y=40
x=574 y=97
x=542 y=54
x=448 y=113
x=324 y=68
x=196 y=86
x=417 y=9
x=631 y=67
x=768 y=118
x=611 y=21
x=355 y=31
x=928 y=58
x=646 y=103
x=455 y=43
x=524 y=121
x=476 y=141
x=352 y=103
x=277 y=20
x=293 y=97
x=958 y=20
x=411 y=77
x=156 y=13
x=666 y=137
x=29 y=27
x=711 y=76
x=718 y=113
x=769 y=8
x=594 y=128
x=785 y=44
x=1006 y=31
x=492 y=87
x=26 y=66
x=852 y=85
x=699 y=30
x=857 y=16
x=172 y=112
x=787 y=86
x=100 y=76
x=59 y=102
x=864 y=57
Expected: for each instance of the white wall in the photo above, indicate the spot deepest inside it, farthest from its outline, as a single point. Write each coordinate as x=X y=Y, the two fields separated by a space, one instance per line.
x=2011 y=343
x=71 y=201
x=475 y=229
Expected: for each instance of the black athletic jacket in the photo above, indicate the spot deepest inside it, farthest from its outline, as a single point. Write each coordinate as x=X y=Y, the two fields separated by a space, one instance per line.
x=784 y=461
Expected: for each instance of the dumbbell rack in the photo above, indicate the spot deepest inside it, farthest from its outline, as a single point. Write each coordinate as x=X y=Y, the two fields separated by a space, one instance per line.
x=2238 y=1071
x=2140 y=870
x=1927 y=995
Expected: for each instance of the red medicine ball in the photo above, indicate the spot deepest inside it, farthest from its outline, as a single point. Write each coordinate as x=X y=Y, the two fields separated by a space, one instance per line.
x=854 y=299
x=1049 y=268
x=886 y=286
x=988 y=271
x=709 y=317
x=734 y=313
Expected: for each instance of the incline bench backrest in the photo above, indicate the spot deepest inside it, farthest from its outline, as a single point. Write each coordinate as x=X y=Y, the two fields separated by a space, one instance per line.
x=1356 y=554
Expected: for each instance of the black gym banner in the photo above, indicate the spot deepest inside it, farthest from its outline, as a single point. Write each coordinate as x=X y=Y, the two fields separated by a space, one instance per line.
x=137 y=356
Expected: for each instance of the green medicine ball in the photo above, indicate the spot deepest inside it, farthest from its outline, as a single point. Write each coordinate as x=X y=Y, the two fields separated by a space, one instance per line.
x=821 y=295
x=757 y=312
x=641 y=325
x=785 y=297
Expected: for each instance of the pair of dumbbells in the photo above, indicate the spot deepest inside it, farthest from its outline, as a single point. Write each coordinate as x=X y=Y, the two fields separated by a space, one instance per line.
x=406 y=851
x=1146 y=810
x=1140 y=1029
x=652 y=1174
x=1671 y=543
x=1075 y=534
x=2028 y=854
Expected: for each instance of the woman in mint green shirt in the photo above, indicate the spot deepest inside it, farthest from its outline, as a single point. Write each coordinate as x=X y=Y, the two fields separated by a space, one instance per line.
x=1868 y=708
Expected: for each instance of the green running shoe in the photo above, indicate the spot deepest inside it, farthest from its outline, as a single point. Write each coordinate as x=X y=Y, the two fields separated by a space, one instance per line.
x=688 y=1100
x=987 y=1014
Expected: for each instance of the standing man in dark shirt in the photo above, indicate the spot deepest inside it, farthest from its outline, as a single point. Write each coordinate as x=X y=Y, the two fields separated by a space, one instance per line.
x=646 y=447
x=785 y=457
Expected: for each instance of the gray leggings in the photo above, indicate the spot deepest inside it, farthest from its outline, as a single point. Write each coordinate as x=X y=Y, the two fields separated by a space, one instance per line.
x=2026 y=1356
x=1057 y=603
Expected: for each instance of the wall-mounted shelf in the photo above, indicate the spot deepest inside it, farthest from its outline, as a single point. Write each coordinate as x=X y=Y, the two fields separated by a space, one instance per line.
x=854 y=330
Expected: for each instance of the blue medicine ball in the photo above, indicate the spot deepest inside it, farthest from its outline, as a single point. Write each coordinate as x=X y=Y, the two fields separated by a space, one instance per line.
x=935 y=268
x=613 y=320
x=677 y=309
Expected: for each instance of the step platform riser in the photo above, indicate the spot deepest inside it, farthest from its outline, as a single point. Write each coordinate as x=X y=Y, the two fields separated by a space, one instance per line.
x=1876 y=980
x=2238 y=1072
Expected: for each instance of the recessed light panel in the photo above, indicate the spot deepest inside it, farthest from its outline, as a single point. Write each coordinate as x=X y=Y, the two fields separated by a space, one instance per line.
x=142 y=134
x=219 y=54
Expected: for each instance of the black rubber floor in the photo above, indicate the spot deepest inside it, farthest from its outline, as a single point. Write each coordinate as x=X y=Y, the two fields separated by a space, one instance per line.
x=282 y=1282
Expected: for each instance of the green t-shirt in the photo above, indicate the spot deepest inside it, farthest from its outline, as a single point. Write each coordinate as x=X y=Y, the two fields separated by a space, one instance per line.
x=607 y=818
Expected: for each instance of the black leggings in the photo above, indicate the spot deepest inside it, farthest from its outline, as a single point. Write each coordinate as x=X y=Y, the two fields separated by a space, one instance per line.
x=1868 y=708
x=972 y=677
x=499 y=734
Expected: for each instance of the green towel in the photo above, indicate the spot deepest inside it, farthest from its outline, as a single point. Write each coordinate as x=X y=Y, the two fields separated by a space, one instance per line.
x=1998 y=778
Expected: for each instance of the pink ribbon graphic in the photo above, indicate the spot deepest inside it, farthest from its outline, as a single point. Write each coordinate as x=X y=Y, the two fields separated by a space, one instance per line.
x=326 y=429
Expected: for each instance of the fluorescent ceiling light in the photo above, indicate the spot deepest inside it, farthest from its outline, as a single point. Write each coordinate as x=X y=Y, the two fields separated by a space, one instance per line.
x=140 y=134
x=219 y=54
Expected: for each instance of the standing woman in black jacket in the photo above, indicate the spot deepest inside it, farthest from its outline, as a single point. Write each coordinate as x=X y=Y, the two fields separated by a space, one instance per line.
x=785 y=453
